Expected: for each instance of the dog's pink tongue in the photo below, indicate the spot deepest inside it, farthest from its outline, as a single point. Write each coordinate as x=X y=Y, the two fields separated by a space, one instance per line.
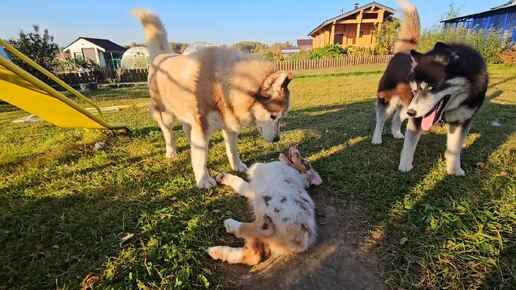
x=428 y=120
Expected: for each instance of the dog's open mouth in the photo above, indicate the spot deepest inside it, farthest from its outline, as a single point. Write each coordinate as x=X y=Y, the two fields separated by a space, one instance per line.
x=435 y=114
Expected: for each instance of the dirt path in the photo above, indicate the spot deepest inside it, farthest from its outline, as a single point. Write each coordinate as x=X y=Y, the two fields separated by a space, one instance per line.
x=335 y=262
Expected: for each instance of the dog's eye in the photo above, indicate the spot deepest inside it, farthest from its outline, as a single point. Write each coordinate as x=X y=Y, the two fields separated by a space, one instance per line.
x=428 y=88
x=274 y=116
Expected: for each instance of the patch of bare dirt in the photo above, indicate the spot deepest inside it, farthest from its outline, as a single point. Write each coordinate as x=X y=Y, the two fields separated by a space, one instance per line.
x=337 y=261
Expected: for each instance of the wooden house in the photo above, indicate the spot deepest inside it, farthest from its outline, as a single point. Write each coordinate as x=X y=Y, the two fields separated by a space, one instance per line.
x=357 y=27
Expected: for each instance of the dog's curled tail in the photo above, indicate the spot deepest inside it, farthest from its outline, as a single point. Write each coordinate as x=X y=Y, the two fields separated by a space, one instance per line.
x=154 y=32
x=410 y=28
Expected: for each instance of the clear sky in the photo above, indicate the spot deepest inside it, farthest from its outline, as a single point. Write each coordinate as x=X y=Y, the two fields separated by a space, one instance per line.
x=216 y=21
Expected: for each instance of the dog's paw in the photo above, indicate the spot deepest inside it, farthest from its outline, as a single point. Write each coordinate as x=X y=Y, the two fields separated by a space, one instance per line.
x=206 y=183
x=405 y=166
x=231 y=226
x=221 y=177
x=398 y=135
x=456 y=171
x=377 y=140
x=170 y=154
x=215 y=252
x=239 y=167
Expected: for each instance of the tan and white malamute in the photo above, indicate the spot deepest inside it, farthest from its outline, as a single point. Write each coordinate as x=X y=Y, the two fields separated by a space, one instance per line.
x=212 y=89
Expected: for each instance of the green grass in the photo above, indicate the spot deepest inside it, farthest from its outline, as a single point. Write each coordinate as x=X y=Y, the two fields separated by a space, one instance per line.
x=64 y=208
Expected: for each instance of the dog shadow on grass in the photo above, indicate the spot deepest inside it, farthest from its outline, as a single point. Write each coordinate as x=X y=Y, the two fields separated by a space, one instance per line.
x=364 y=206
x=393 y=209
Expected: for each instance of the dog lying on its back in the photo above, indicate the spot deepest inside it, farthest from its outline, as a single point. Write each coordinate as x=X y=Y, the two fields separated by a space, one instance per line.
x=284 y=212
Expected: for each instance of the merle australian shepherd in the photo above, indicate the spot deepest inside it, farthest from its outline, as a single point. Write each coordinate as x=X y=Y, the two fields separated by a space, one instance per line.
x=446 y=85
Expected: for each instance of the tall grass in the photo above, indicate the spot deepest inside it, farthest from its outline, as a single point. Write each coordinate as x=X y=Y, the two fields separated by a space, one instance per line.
x=488 y=43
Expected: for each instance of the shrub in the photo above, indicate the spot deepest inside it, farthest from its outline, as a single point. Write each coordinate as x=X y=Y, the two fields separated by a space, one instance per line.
x=327 y=52
x=386 y=37
x=360 y=51
x=303 y=54
x=509 y=57
x=489 y=43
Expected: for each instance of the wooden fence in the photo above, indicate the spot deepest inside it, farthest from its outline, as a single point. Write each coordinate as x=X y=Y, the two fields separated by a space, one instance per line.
x=105 y=76
x=140 y=75
x=331 y=62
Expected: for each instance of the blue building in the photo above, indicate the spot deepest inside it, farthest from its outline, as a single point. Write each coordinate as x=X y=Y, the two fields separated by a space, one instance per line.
x=501 y=18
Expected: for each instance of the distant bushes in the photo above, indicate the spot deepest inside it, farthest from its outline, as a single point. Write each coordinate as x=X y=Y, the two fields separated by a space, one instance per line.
x=509 y=57
x=327 y=52
x=489 y=43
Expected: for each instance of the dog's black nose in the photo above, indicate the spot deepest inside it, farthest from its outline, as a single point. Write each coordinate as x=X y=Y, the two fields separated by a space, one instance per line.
x=276 y=139
x=411 y=112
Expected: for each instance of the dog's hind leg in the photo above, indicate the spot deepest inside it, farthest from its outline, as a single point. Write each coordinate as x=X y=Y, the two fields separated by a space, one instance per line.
x=187 y=128
x=467 y=127
x=199 y=150
x=396 y=123
x=412 y=135
x=230 y=140
x=455 y=141
x=166 y=123
x=238 y=184
x=383 y=110
x=228 y=254
x=254 y=251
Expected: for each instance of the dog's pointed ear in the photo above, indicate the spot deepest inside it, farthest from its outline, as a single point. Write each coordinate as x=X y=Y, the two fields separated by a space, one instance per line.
x=416 y=56
x=444 y=54
x=274 y=83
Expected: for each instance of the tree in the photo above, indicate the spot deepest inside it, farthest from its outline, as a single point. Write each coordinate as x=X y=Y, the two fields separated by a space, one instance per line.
x=387 y=36
x=39 y=46
x=251 y=46
x=452 y=12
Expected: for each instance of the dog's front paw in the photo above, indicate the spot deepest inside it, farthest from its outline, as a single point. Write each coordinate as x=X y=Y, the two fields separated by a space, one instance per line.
x=223 y=178
x=215 y=252
x=231 y=226
x=239 y=166
x=170 y=154
x=456 y=171
x=398 y=135
x=377 y=140
x=405 y=166
x=206 y=183
x=220 y=177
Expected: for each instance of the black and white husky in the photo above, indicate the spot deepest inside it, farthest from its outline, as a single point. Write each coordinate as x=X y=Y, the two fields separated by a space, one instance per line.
x=446 y=85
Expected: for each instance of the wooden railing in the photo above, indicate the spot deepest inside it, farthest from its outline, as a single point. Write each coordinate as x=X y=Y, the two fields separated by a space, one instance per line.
x=140 y=75
x=331 y=62
x=105 y=76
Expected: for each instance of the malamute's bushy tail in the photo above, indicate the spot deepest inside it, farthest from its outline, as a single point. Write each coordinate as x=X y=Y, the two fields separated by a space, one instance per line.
x=154 y=31
x=410 y=28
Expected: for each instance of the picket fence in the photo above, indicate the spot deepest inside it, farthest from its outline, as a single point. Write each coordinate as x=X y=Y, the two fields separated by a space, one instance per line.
x=331 y=62
x=140 y=75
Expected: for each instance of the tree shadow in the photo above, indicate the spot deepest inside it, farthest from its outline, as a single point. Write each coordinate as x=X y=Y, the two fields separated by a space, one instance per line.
x=390 y=203
x=66 y=235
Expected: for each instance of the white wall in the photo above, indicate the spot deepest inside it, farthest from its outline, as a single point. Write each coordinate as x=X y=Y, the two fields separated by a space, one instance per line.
x=76 y=48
